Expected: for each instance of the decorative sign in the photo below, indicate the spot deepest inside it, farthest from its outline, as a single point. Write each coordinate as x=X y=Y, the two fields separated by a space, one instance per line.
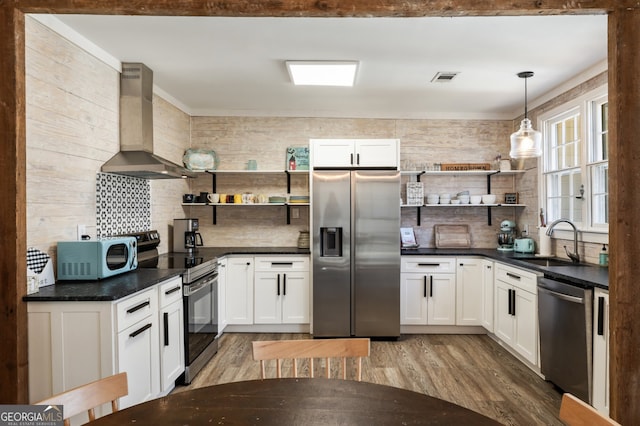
x=297 y=158
x=463 y=167
x=511 y=198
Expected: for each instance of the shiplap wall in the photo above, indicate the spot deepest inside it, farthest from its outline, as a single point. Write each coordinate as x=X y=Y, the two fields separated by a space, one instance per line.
x=238 y=139
x=72 y=129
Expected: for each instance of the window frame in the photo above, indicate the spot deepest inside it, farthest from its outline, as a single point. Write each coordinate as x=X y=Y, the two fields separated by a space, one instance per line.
x=584 y=106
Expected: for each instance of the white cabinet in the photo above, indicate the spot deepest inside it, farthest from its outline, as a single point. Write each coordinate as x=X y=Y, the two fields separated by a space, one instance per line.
x=171 y=333
x=281 y=290
x=601 y=350
x=487 y=295
x=355 y=152
x=222 y=294
x=516 y=306
x=239 y=290
x=428 y=291
x=74 y=343
x=138 y=346
x=469 y=290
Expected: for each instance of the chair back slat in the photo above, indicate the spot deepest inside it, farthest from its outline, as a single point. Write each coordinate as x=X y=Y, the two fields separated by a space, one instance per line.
x=87 y=397
x=312 y=349
x=575 y=412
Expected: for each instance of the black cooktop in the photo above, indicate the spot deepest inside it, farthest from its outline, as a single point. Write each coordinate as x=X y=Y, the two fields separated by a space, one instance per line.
x=183 y=260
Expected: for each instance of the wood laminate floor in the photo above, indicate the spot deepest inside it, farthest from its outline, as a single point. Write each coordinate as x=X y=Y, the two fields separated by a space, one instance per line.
x=469 y=370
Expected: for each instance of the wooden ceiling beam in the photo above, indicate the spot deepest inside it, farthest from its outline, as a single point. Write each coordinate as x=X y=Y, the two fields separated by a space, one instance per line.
x=326 y=8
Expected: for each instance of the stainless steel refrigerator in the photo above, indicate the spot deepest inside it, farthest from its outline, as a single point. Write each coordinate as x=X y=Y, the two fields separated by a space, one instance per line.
x=356 y=253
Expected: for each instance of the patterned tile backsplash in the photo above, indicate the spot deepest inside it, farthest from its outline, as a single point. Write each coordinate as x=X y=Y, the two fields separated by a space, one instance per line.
x=123 y=204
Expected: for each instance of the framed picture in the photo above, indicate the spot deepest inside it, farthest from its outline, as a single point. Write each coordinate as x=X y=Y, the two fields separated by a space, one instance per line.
x=297 y=158
x=511 y=198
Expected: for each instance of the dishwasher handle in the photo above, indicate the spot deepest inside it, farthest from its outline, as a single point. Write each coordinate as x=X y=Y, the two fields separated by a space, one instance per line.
x=565 y=297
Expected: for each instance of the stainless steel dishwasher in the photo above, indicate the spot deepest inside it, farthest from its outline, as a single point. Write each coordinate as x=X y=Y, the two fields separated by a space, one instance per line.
x=565 y=318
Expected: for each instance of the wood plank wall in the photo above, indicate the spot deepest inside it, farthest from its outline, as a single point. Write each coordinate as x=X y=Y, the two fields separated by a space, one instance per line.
x=624 y=43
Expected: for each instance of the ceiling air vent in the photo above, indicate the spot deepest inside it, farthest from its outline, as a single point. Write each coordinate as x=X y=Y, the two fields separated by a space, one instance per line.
x=444 y=77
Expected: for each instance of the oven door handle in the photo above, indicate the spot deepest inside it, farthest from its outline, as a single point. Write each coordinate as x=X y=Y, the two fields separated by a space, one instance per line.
x=199 y=285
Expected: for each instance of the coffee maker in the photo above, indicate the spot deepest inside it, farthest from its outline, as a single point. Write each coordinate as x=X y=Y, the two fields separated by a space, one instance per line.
x=506 y=235
x=186 y=237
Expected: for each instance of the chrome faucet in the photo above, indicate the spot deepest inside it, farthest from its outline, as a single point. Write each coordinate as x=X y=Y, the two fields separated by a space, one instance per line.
x=575 y=257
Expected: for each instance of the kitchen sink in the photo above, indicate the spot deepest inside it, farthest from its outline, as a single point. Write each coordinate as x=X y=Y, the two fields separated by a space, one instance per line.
x=551 y=262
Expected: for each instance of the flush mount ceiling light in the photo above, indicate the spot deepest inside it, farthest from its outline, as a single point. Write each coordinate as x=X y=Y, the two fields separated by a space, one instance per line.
x=323 y=73
x=526 y=142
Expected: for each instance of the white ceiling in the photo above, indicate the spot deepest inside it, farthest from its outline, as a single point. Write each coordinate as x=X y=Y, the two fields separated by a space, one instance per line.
x=235 y=66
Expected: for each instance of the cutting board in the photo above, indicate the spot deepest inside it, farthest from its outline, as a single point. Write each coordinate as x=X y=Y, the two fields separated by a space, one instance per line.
x=452 y=236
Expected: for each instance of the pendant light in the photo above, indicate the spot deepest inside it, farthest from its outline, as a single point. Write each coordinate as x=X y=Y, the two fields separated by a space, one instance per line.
x=526 y=142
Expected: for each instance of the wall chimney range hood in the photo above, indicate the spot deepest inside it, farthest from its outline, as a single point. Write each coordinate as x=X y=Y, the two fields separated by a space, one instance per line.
x=136 y=157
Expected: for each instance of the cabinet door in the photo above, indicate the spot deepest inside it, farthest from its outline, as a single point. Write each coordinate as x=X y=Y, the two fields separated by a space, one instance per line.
x=469 y=291
x=503 y=320
x=487 y=295
x=222 y=295
x=526 y=325
x=268 y=294
x=413 y=299
x=138 y=355
x=239 y=290
x=601 y=351
x=332 y=152
x=377 y=152
x=295 y=297
x=171 y=345
x=441 y=305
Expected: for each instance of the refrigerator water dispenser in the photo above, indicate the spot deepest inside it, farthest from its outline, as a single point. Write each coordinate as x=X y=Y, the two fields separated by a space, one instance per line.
x=331 y=242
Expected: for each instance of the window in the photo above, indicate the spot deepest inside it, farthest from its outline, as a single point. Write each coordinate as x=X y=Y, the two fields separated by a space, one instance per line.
x=599 y=165
x=575 y=168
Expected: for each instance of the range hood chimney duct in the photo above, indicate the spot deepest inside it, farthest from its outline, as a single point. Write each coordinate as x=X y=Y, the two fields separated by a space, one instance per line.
x=136 y=157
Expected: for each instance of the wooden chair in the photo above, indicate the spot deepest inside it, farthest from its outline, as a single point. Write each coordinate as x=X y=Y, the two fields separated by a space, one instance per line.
x=89 y=396
x=575 y=412
x=310 y=349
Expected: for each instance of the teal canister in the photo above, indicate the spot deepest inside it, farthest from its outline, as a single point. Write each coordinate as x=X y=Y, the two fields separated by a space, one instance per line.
x=604 y=256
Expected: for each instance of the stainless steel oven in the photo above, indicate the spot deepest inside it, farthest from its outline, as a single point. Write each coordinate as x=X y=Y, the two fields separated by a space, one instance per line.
x=201 y=323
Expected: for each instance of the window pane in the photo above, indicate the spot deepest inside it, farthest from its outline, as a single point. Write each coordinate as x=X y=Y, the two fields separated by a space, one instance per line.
x=604 y=132
x=562 y=190
x=600 y=194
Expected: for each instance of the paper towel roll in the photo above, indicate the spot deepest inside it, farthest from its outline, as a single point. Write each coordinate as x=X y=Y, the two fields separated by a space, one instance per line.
x=545 y=242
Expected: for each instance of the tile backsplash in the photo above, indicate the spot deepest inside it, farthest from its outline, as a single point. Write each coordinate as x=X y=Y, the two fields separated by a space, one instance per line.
x=123 y=204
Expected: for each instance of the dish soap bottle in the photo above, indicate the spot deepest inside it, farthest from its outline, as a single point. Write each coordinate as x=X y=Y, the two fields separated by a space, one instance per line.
x=604 y=256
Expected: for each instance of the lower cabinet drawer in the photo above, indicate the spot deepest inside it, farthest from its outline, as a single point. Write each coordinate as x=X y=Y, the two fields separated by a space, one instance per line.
x=136 y=308
x=517 y=277
x=281 y=263
x=431 y=264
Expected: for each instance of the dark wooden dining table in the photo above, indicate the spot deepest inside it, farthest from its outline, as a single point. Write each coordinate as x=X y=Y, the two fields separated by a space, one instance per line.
x=299 y=401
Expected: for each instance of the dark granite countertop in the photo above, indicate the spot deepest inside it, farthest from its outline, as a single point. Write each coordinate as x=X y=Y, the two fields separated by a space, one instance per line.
x=585 y=275
x=228 y=251
x=123 y=285
x=109 y=289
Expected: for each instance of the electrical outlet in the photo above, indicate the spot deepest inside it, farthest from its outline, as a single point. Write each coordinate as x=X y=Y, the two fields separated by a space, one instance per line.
x=295 y=213
x=82 y=230
x=526 y=229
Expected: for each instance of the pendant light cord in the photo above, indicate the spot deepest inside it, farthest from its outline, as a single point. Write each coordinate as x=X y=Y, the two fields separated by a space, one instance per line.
x=525 y=97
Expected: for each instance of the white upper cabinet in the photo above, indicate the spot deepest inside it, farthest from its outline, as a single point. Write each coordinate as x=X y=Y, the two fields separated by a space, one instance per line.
x=348 y=153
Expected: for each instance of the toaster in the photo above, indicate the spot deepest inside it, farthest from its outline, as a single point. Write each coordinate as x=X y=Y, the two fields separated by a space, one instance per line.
x=524 y=245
